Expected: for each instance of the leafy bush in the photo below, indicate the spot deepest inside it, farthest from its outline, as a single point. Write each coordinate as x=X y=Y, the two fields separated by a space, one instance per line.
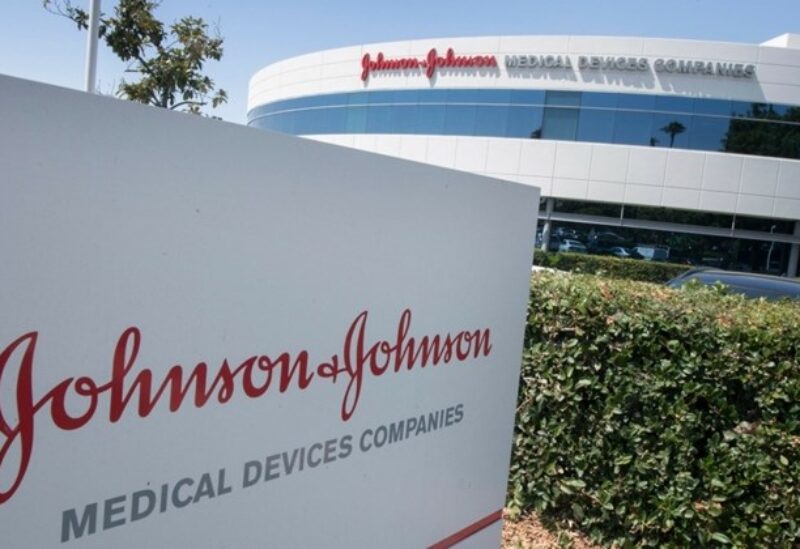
x=656 y=417
x=614 y=267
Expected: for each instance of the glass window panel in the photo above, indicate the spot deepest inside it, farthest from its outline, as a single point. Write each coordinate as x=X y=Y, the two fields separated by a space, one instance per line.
x=305 y=121
x=285 y=122
x=380 y=97
x=510 y=113
x=743 y=109
x=356 y=119
x=491 y=121
x=599 y=100
x=500 y=97
x=633 y=128
x=764 y=111
x=265 y=123
x=769 y=112
x=686 y=217
x=433 y=96
x=765 y=225
x=637 y=101
x=560 y=123
x=379 y=119
x=406 y=96
x=357 y=98
x=313 y=120
x=587 y=208
x=671 y=103
x=406 y=119
x=431 y=119
x=524 y=122
x=720 y=107
x=780 y=110
x=526 y=97
x=304 y=102
x=707 y=133
x=330 y=99
x=596 y=126
x=459 y=120
x=671 y=130
x=763 y=138
x=563 y=98
x=334 y=120
x=286 y=105
x=272 y=107
x=273 y=122
x=462 y=96
x=260 y=111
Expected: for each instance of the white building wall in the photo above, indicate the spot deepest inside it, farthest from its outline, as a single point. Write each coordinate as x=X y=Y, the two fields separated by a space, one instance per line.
x=692 y=180
x=689 y=180
x=777 y=68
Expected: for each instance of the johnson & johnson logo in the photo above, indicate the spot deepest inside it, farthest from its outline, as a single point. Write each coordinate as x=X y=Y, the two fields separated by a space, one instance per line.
x=429 y=64
x=254 y=376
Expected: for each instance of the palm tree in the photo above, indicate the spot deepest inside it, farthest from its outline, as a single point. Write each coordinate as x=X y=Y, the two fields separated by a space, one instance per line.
x=672 y=129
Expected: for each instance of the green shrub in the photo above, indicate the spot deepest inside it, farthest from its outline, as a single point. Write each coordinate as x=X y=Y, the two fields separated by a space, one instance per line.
x=611 y=266
x=657 y=417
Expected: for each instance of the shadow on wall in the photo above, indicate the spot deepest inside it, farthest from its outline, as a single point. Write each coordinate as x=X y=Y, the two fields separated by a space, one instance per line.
x=636 y=80
x=697 y=85
x=557 y=74
x=482 y=72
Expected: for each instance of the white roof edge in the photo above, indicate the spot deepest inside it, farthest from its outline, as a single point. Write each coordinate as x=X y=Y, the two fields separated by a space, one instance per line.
x=787 y=40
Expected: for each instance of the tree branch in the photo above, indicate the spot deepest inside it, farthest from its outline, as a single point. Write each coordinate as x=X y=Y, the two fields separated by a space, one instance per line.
x=194 y=103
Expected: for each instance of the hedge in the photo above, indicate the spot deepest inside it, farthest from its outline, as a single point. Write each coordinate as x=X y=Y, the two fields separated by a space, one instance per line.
x=658 y=417
x=611 y=266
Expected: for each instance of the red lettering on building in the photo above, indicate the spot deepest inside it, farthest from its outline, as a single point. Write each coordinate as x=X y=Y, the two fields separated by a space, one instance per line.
x=430 y=63
x=140 y=393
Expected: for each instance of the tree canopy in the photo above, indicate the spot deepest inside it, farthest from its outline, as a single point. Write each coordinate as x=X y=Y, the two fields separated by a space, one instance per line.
x=168 y=61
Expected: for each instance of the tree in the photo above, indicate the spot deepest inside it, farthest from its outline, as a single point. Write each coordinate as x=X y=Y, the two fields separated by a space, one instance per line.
x=672 y=129
x=168 y=60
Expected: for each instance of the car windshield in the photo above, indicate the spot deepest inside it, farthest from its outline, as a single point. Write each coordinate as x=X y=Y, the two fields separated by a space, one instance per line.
x=753 y=286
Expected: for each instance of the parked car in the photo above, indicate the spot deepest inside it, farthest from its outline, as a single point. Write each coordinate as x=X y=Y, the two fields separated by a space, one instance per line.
x=620 y=251
x=565 y=232
x=652 y=253
x=570 y=245
x=749 y=284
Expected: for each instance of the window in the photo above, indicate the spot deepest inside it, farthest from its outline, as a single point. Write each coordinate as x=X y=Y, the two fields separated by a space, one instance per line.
x=524 y=122
x=633 y=128
x=708 y=133
x=596 y=126
x=587 y=208
x=560 y=123
x=624 y=118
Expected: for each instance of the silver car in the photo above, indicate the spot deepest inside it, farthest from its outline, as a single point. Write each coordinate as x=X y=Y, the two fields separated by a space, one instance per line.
x=570 y=245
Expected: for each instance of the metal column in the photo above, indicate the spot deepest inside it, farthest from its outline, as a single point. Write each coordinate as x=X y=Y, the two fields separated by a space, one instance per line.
x=794 y=254
x=547 y=227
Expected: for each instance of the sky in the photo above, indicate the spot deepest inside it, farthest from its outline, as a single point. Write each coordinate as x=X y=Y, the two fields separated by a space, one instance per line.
x=40 y=46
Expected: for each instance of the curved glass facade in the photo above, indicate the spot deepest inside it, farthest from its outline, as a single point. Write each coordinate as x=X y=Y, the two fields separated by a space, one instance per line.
x=595 y=117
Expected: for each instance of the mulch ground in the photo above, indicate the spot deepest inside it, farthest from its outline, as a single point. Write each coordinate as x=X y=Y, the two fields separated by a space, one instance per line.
x=528 y=533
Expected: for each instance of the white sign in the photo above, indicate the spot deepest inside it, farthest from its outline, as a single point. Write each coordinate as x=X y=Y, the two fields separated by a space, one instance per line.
x=212 y=336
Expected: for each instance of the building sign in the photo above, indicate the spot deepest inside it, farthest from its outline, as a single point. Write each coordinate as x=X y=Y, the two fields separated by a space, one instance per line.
x=427 y=65
x=432 y=62
x=630 y=64
x=218 y=337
